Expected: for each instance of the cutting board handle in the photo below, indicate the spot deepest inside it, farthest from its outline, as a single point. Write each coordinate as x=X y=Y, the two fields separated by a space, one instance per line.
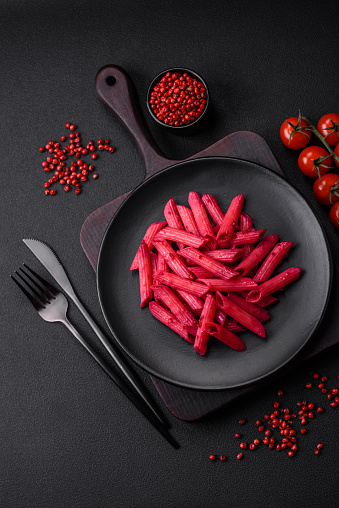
x=115 y=88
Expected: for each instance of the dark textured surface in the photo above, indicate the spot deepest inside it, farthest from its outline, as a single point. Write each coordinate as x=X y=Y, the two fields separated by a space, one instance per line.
x=68 y=438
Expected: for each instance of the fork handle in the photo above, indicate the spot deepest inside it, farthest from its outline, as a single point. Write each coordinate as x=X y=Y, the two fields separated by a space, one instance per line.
x=120 y=361
x=135 y=399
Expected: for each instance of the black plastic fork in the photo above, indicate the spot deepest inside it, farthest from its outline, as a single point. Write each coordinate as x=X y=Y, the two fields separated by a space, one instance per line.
x=52 y=306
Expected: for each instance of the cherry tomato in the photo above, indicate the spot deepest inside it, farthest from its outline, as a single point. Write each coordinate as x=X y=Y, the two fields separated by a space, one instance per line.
x=336 y=151
x=326 y=124
x=326 y=189
x=334 y=215
x=314 y=158
x=300 y=138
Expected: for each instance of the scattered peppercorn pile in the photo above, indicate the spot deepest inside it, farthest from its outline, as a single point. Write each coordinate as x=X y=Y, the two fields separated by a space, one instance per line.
x=178 y=99
x=77 y=171
x=281 y=421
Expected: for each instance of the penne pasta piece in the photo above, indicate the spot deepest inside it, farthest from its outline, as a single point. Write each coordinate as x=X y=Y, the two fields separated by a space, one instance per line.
x=145 y=274
x=231 y=218
x=211 y=205
x=267 y=300
x=206 y=262
x=220 y=316
x=261 y=314
x=225 y=336
x=173 y=218
x=187 y=218
x=240 y=238
x=169 y=320
x=271 y=262
x=178 y=235
x=257 y=254
x=246 y=223
x=225 y=255
x=201 y=273
x=193 y=301
x=192 y=330
x=172 y=259
x=240 y=315
x=151 y=232
x=180 y=284
x=202 y=221
x=178 y=309
x=234 y=284
x=272 y=285
x=234 y=326
x=154 y=266
x=154 y=261
x=207 y=315
x=162 y=265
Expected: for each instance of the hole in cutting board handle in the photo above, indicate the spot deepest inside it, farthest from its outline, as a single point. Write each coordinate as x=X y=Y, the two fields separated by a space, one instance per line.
x=110 y=80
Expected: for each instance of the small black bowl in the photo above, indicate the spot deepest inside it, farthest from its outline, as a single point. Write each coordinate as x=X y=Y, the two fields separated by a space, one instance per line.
x=182 y=129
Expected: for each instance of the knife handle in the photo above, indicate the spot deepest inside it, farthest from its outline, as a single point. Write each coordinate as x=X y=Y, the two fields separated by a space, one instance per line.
x=120 y=361
x=124 y=387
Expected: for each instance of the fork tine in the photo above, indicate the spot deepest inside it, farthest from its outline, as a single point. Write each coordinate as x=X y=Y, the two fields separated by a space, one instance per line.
x=37 y=304
x=42 y=293
x=41 y=297
x=44 y=282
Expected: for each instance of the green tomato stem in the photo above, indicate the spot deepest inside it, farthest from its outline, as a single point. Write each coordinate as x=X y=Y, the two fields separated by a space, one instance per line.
x=322 y=138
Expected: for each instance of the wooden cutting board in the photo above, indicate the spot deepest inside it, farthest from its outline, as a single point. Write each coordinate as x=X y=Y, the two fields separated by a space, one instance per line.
x=115 y=89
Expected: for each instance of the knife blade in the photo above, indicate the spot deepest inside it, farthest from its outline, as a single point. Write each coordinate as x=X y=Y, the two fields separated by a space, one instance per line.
x=51 y=262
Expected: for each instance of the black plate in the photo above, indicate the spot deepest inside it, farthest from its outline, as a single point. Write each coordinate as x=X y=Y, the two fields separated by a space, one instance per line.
x=273 y=204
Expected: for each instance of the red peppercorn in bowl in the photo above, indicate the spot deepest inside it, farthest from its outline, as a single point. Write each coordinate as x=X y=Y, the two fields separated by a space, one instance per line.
x=178 y=98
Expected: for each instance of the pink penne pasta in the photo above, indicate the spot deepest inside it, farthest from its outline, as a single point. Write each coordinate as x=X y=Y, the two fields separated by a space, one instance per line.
x=213 y=208
x=178 y=235
x=246 y=223
x=173 y=218
x=234 y=326
x=201 y=273
x=180 y=284
x=172 y=259
x=274 y=284
x=267 y=300
x=234 y=284
x=192 y=330
x=162 y=265
x=151 y=232
x=220 y=316
x=204 y=226
x=154 y=261
x=225 y=255
x=206 y=262
x=219 y=280
x=271 y=262
x=257 y=254
x=225 y=336
x=261 y=314
x=145 y=274
x=231 y=218
x=169 y=320
x=207 y=315
x=154 y=265
x=187 y=218
x=178 y=309
x=193 y=301
x=240 y=238
x=240 y=315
